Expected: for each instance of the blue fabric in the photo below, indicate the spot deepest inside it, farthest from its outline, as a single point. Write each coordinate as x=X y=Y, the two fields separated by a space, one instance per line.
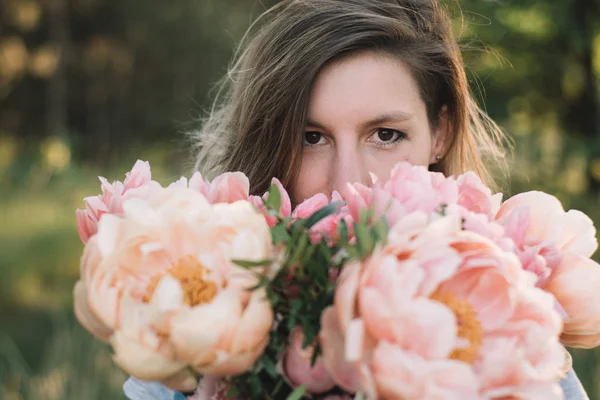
x=136 y=389
x=572 y=387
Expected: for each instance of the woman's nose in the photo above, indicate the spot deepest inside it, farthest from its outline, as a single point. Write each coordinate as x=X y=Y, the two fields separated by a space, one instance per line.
x=349 y=167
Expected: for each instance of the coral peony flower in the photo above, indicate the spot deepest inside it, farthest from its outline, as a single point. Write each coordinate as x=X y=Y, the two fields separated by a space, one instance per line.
x=158 y=284
x=434 y=313
x=556 y=246
x=296 y=366
x=138 y=183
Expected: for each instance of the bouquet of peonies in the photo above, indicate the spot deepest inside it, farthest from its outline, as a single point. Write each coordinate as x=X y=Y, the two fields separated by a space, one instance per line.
x=424 y=286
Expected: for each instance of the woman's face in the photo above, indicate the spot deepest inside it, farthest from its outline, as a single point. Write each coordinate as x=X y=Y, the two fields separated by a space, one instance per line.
x=365 y=115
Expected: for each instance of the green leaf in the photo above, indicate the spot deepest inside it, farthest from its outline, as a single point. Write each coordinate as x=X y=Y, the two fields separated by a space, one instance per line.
x=297 y=393
x=270 y=367
x=363 y=239
x=364 y=216
x=315 y=354
x=252 y=264
x=382 y=230
x=299 y=248
x=280 y=234
x=343 y=231
x=255 y=385
x=277 y=387
x=273 y=198
x=443 y=209
x=324 y=212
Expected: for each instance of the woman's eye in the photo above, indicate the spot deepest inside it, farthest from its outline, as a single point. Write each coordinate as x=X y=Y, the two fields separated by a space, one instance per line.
x=386 y=135
x=312 y=138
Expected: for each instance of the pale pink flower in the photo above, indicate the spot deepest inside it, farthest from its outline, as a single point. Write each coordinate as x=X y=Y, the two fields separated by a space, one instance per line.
x=477 y=197
x=482 y=225
x=225 y=188
x=138 y=183
x=461 y=297
x=297 y=369
x=556 y=246
x=158 y=283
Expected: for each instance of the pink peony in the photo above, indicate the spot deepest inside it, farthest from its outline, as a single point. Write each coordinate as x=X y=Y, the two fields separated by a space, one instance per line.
x=212 y=388
x=285 y=209
x=474 y=196
x=225 y=188
x=138 y=183
x=434 y=313
x=409 y=189
x=158 y=284
x=414 y=188
x=556 y=246
x=296 y=366
x=328 y=226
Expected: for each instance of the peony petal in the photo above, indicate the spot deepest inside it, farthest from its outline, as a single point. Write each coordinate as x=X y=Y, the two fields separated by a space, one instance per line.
x=86 y=317
x=141 y=361
x=545 y=213
x=355 y=341
x=332 y=344
x=186 y=380
x=345 y=293
x=228 y=188
x=198 y=183
x=104 y=295
x=487 y=291
x=400 y=375
x=575 y=284
x=255 y=323
x=139 y=175
x=109 y=230
x=168 y=294
x=311 y=205
x=227 y=364
x=297 y=369
x=579 y=234
x=197 y=333
x=427 y=328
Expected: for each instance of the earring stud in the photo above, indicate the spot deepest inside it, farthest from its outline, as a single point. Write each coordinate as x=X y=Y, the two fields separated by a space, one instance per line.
x=438 y=157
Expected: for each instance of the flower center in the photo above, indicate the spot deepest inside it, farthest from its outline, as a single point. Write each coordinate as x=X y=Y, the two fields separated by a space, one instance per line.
x=469 y=327
x=197 y=289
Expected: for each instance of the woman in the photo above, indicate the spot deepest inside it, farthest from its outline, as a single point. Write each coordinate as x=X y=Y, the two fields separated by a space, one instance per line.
x=335 y=91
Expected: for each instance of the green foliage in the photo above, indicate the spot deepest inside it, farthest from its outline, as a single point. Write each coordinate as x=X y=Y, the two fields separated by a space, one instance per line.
x=302 y=288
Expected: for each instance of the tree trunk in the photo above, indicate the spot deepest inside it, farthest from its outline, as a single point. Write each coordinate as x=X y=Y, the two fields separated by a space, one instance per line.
x=57 y=105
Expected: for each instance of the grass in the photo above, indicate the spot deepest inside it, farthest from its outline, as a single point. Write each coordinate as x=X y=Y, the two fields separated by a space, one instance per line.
x=71 y=365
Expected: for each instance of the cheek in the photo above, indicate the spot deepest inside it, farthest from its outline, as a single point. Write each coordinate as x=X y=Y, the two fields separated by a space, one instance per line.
x=311 y=179
x=416 y=152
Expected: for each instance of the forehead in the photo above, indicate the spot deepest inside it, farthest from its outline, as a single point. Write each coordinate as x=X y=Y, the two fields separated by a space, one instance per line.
x=364 y=84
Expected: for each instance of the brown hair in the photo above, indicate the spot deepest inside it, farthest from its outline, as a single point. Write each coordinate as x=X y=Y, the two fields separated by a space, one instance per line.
x=260 y=112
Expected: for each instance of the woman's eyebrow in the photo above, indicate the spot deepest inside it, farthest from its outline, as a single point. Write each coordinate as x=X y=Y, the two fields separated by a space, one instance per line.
x=391 y=116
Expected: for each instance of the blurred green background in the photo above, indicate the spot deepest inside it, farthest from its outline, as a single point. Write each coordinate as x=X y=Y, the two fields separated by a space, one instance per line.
x=89 y=86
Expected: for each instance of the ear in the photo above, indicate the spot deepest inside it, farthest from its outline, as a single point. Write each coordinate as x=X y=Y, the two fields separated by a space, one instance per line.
x=441 y=137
